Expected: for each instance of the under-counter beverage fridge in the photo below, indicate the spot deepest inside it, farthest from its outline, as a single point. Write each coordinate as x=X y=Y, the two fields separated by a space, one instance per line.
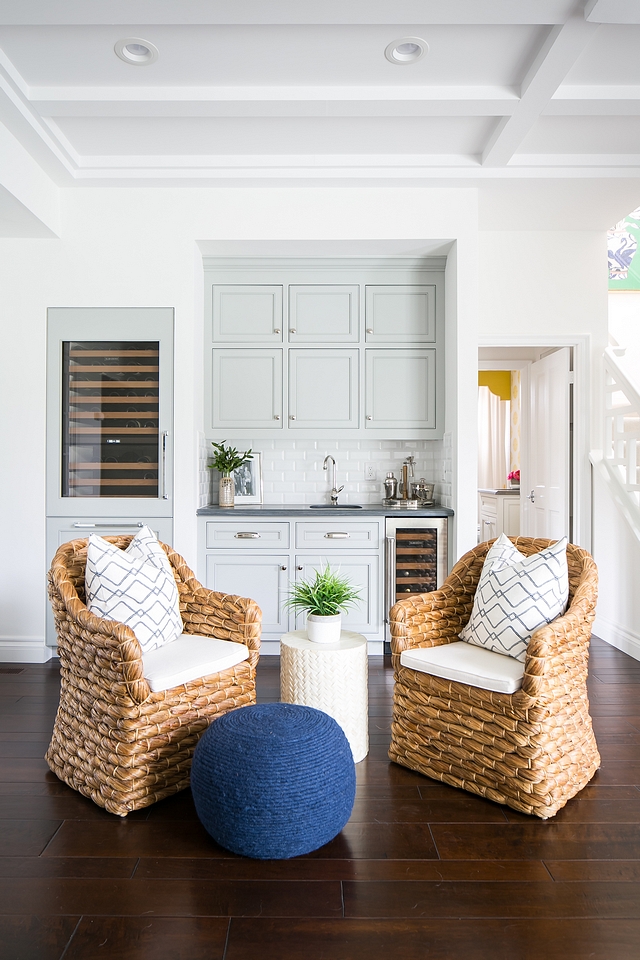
x=415 y=558
x=109 y=423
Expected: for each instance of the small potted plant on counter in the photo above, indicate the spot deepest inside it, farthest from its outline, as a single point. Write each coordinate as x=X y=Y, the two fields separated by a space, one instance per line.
x=324 y=599
x=513 y=479
x=226 y=460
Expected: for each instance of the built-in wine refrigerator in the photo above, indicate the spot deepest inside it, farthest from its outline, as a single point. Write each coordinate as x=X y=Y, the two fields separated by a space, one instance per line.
x=415 y=558
x=109 y=423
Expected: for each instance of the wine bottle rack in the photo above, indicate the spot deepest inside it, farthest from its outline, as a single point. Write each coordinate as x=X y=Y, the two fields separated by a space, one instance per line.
x=110 y=419
x=416 y=561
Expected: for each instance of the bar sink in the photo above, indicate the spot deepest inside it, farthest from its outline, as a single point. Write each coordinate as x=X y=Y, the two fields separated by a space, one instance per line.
x=335 y=506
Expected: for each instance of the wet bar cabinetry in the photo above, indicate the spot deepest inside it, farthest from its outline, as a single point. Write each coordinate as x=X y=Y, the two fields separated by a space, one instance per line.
x=347 y=348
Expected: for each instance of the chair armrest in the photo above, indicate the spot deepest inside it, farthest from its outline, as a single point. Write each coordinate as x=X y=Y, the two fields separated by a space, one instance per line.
x=101 y=648
x=430 y=619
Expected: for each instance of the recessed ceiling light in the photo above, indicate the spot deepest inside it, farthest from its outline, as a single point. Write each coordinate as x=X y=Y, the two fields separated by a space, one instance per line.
x=134 y=50
x=406 y=50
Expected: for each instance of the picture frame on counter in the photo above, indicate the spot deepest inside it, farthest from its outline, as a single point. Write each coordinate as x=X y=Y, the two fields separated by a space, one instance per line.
x=248 y=480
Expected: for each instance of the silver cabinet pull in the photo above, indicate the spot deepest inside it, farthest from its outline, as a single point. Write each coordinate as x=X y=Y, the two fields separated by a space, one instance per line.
x=276 y=416
x=283 y=568
x=277 y=330
x=390 y=577
x=165 y=495
x=369 y=329
x=291 y=416
x=532 y=496
x=299 y=568
x=246 y=535
x=336 y=536
x=292 y=330
x=369 y=418
x=119 y=526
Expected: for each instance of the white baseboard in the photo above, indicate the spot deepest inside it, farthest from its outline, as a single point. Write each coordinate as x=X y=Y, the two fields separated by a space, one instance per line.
x=24 y=650
x=617 y=636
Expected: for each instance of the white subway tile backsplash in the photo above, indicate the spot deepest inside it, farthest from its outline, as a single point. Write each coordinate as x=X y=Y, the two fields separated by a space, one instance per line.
x=292 y=469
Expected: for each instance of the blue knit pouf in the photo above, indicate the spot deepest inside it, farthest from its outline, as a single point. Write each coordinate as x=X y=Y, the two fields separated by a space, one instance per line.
x=273 y=781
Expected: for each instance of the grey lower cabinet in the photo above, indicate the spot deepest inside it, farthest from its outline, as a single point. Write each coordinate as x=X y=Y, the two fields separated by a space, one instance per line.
x=260 y=559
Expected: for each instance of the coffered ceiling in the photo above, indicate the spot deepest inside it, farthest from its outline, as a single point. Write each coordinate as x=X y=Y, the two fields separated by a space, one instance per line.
x=299 y=91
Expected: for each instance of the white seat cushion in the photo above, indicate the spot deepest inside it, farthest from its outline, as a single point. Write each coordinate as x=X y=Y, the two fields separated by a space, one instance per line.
x=135 y=586
x=189 y=658
x=467 y=664
x=515 y=600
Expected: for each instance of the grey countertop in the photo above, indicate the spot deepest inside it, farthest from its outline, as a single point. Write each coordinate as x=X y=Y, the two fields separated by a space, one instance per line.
x=509 y=491
x=304 y=510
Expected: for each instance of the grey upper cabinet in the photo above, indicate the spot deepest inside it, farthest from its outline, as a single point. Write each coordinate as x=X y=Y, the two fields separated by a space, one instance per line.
x=323 y=389
x=400 y=389
x=247 y=313
x=246 y=389
x=349 y=347
x=401 y=313
x=324 y=313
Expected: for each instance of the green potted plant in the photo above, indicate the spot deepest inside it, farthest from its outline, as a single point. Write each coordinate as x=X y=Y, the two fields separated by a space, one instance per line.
x=323 y=599
x=226 y=460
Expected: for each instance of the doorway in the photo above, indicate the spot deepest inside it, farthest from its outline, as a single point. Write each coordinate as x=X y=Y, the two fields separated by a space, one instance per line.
x=538 y=442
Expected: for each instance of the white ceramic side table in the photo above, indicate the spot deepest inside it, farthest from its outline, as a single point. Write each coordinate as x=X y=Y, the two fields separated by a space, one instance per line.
x=332 y=677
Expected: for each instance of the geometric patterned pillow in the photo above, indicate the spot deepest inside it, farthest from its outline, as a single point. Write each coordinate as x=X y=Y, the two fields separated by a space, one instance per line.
x=513 y=601
x=501 y=553
x=136 y=587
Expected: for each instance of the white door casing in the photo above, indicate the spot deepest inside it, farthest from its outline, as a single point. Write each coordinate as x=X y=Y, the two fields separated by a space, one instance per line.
x=545 y=468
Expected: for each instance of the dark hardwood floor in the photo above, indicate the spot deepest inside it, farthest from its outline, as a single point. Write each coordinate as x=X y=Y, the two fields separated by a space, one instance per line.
x=420 y=871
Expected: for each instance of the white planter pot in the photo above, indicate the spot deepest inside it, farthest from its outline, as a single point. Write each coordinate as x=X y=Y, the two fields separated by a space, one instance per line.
x=324 y=629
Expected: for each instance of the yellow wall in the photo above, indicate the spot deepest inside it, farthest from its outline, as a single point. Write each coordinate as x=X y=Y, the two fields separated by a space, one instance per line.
x=498 y=381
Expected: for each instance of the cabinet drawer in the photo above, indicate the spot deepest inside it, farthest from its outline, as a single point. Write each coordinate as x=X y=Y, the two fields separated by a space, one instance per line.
x=337 y=534
x=488 y=504
x=247 y=535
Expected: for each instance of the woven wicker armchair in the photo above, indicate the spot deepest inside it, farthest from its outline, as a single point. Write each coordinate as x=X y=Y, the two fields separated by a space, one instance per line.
x=114 y=740
x=532 y=750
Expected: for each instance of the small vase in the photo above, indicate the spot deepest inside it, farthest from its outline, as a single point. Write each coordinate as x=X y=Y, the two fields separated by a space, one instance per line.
x=324 y=629
x=226 y=491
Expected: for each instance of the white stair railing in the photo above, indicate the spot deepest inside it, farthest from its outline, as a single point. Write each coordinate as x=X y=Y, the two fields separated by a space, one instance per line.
x=619 y=460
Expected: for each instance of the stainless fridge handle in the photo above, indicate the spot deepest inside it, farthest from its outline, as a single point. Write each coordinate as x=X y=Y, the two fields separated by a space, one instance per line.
x=164 y=435
x=390 y=575
x=91 y=526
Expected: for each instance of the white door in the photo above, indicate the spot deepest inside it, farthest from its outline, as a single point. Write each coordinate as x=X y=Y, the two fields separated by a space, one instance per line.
x=544 y=490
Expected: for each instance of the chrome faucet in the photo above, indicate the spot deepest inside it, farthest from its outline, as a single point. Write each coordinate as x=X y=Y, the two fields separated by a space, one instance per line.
x=334 y=492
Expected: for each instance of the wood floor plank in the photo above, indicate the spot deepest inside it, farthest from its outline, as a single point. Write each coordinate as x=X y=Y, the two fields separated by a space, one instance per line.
x=26 y=838
x=304 y=868
x=160 y=938
x=485 y=900
x=605 y=871
x=35 y=938
x=463 y=807
x=170 y=898
x=90 y=867
x=116 y=837
x=542 y=840
x=574 y=939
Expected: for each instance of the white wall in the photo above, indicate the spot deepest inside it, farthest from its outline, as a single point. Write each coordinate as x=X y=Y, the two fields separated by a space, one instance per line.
x=140 y=248
x=617 y=552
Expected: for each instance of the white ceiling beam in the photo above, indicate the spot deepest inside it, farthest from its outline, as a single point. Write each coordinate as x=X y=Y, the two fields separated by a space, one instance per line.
x=558 y=53
x=612 y=11
x=243 y=12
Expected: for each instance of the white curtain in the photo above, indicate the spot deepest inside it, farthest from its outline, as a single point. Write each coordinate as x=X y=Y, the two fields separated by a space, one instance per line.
x=493 y=440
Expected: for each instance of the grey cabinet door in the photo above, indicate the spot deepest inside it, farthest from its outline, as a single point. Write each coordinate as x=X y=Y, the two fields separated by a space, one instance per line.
x=324 y=313
x=264 y=579
x=323 y=389
x=400 y=389
x=401 y=313
x=363 y=570
x=246 y=388
x=246 y=313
